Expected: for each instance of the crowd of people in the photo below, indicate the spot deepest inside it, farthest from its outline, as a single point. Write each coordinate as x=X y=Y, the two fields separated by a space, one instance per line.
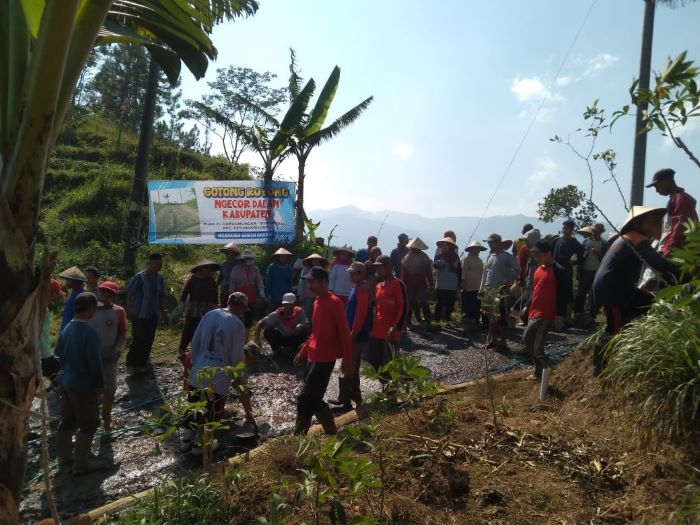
x=359 y=304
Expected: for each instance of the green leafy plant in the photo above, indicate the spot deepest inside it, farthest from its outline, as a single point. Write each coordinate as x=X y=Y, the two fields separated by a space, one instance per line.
x=443 y=418
x=184 y=501
x=404 y=381
x=653 y=370
x=673 y=100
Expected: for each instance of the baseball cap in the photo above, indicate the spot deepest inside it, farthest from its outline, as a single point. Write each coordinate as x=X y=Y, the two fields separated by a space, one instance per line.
x=316 y=274
x=664 y=174
x=356 y=267
x=289 y=298
x=110 y=286
x=382 y=260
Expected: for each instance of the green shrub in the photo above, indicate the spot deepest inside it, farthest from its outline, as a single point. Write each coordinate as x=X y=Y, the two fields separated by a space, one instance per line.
x=187 y=501
x=653 y=371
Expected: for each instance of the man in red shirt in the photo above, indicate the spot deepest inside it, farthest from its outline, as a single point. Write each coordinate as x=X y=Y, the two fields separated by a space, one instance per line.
x=390 y=316
x=544 y=305
x=359 y=315
x=681 y=208
x=330 y=340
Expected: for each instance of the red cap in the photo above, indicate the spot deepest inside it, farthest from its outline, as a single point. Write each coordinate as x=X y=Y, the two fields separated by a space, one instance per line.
x=109 y=286
x=56 y=289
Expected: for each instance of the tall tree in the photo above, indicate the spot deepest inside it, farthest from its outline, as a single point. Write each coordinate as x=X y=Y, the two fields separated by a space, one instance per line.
x=232 y=94
x=45 y=46
x=640 y=138
x=311 y=133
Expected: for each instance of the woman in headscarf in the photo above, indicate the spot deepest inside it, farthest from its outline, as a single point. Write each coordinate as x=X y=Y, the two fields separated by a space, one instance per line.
x=417 y=275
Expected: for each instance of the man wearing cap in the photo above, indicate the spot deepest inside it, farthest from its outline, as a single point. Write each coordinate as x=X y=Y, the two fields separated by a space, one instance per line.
x=110 y=322
x=565 y=248
x=594 y=249
x=232 y=253
x=417 y=276
x=500 y=270
x=359 y=314
x=81 y=378
x=521 y=241
x=145 y=305
x=330 y=340
x=75 y=282
x=49 y=363
x=472 y=272
x=615 y=283
x=278 y=279
x=364 y=253
x=390 y=315
x=286 y=327
x=398 y=253
x=199 y=295
x=218 y=347
x=680 y=209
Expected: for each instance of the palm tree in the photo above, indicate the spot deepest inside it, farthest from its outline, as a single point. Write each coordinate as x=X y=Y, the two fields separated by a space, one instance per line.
x=44 y=48
x=640 y=138
x=311 y=133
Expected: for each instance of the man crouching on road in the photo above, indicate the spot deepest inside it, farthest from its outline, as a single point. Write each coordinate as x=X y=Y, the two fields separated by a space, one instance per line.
x=217 y=344
x=330 y=339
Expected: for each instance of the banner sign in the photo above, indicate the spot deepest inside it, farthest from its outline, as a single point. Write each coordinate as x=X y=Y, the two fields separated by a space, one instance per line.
x=219 y=212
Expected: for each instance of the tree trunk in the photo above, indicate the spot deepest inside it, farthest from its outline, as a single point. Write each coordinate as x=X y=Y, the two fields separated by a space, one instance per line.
x=20 y=329
x=640 y=139
x=138 y=187
x=299 y=220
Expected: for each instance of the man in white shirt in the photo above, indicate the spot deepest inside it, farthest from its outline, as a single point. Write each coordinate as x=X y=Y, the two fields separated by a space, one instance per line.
x=217 y=351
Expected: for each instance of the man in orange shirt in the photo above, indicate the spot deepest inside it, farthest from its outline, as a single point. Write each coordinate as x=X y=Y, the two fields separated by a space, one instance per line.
x=391 y=313
x=330 y=340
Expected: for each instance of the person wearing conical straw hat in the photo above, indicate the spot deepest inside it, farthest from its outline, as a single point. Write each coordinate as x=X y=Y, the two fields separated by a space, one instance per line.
x=594 y=249
x=232 y=253
x=339 y=281
x=615 y=285
x=472 y=272
x=680 y=209
x=75 y=282
x=199 y=295
x=417 y=275
x=448 y=275
x=278 y=278
x=565 y=248
x=306 y=295
x=500 y=270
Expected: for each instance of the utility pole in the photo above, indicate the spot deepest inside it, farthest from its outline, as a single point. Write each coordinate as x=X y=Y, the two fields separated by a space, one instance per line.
x=640 y=139
x=138 y=187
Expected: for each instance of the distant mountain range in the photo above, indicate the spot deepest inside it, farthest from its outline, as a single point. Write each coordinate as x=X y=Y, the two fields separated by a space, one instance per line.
x=355 y=225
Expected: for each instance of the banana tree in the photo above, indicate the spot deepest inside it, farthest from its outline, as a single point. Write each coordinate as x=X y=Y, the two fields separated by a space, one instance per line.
x=44 y=45
x=270 y=139
x=311 y=133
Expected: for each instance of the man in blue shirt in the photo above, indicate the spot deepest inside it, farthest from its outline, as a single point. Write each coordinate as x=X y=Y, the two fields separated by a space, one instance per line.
x=278 y=279
x=75 y=282
x=81 y=377
x=145 y=304
x=363 y=254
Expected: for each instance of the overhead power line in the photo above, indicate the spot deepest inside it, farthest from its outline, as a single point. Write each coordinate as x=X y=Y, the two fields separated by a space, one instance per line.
x=544 y=100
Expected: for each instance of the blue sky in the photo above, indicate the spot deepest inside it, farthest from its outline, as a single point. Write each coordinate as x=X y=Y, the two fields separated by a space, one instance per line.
x=455 y=85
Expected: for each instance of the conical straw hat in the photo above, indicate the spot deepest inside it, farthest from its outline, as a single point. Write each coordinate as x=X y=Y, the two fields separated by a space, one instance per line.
x=204 y=263
x=477 y=244
x=73 y=273
x=417 y=244
x=637 y=212
x=282 y=251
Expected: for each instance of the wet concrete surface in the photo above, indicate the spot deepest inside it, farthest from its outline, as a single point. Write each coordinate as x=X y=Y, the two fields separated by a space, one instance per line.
x=451 y=356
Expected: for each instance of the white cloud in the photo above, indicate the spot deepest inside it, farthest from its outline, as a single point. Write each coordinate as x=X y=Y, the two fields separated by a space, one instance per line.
x=403 y=150
x=527 y=88
x=563 y=81
x=544 y=171
x=599 y=63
